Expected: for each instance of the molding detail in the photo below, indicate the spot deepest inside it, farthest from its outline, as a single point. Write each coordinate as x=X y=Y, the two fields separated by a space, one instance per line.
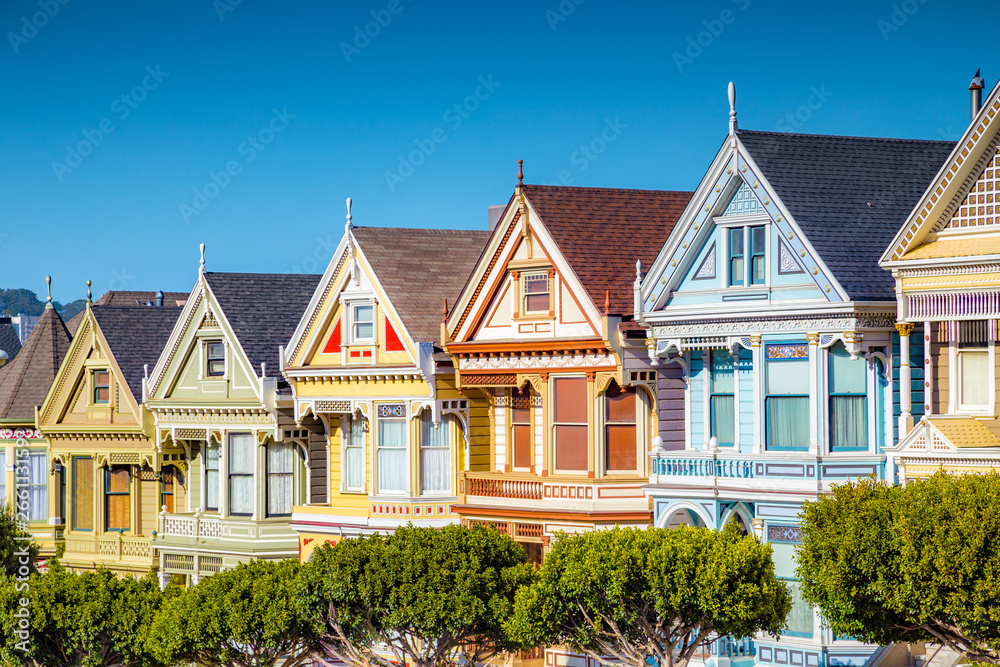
x=707 y=268
x=536 y=361
x=727 y=326
x=786 y=260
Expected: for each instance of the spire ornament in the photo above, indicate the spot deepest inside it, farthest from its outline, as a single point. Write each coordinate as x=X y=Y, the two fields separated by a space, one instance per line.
x=90 y=296
x=48 y=286
x=732 y=108
x=520 y=172
x=201 y=265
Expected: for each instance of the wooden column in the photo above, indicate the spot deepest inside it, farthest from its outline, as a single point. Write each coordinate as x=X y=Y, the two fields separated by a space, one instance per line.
x=905 y=388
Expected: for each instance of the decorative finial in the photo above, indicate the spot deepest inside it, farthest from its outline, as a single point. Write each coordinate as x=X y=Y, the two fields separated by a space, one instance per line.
x=48 y=286
x=520 y=172
x=638 y=269
x=732 y=108
x=349 y=212
x=201 y=266
x=444 y=311
x=90 y=297
x=607 y=301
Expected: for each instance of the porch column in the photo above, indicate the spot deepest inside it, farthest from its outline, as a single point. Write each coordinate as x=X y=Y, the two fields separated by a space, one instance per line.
x=813 y=393
x=905 y=399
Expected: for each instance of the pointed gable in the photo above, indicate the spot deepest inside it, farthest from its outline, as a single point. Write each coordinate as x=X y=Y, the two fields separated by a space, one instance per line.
x=25 y=381
x=136 y=336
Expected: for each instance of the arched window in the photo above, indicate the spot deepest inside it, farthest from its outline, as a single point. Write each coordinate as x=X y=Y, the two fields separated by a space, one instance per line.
x=435 y=454
x=620 y=428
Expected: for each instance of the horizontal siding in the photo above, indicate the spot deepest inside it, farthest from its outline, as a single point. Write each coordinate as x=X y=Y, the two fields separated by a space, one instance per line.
x=670 y=404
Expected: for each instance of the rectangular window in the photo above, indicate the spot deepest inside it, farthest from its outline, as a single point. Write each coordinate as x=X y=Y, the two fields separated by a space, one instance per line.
x=435 y=454
x=619 y=428
x=32 y=476
x=758 y=253
x=241 y=465
x=570 y=422
x=520 y=426
x=102 y=386
x=974 y=373
x=736 y=268
x=212 y=453
x=536 y=292
x=167 y=489
x=363 y=322
x=117 y=483
x=215 y=352
x=280 y=478
x=848 y=401
x=786 y=402
x=391 y=457
x=83 y=493
x=799 y=622
x=352 y=430
x=723 y=398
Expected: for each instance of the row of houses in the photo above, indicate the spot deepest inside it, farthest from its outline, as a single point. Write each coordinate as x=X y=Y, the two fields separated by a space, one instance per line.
x=820 y=308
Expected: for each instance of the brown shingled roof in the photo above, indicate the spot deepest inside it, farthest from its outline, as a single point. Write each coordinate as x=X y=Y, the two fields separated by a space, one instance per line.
x=120 y=298
x=602 y=231
x=25 y=381
x=419 y=268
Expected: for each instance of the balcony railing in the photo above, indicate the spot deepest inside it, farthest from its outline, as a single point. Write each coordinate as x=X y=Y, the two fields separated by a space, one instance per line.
x=190 y=525
x=497 y=487
x=700 y=466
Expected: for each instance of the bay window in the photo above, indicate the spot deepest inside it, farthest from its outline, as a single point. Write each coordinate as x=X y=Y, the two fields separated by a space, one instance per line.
x=435 y=454
x=241 y=464
x=848 y=401
x=352 y=430
x=391 y=469
x=620 y=428
x=520 y=427
x=280 y=478
x=570 y=422
x=723 y=397
x=974 y=373
x=786 y=400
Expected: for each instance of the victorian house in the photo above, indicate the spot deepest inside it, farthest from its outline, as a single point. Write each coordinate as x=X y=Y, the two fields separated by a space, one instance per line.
x=543 y=335
x=233 y=461
x=768 y=298
x=102 y=437
x=945 y=260
x=367 y=373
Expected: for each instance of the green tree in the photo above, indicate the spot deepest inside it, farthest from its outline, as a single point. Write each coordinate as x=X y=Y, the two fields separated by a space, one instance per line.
x=432 y=596
x=246 y=616
x=907 y=564
x=78 y=620
x=18 y=553
x=627 y=595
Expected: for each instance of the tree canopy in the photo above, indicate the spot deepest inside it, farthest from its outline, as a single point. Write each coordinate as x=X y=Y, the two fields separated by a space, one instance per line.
x=432 y=596
x=914 y=563
x=626 y=595
x=18 y=552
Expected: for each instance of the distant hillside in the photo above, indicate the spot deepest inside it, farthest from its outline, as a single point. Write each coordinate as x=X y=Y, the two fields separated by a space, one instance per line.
x=17 y=301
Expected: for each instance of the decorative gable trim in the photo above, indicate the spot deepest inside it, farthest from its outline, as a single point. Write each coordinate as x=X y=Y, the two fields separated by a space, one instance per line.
x=489 y=269
x=182 y=325
x=978 y=208
x=787 y=262
x=707 y=268
x=319 y=298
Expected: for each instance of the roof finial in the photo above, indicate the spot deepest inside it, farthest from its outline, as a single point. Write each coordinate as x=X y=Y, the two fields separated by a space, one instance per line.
x=607 y=301
x=520 y=172
x=90 y=297
x=638 y=269
x=349 y=224
x=732 y=108
x=48 y=286
x=201 y=266
x=444 y=311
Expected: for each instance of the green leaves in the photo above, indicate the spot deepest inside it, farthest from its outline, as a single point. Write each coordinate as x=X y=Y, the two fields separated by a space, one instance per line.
x=634 y=594
x=915 y=563
x=17 y=554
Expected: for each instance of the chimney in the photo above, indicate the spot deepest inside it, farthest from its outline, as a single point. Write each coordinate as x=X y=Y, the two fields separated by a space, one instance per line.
x=976 y=88
x=496 y=212
x=159 y=299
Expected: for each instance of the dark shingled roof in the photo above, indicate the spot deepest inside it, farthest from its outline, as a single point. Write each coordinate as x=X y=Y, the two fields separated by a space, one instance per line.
x=263 y=309
x=136 y=335
x=419 y=268
x=25 y=381
x=121 y=298
x=10 y=341
x=827 y=184
x=602 y=231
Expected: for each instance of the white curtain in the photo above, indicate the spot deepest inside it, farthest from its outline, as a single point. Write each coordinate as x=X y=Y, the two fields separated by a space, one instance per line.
x=392 y=466
x=241 y=455
x=724 y=419
x=848 y=422
x=280 y=462
x=787 y=421
x=37 y=500
x=353 y=432
x=435 y=454
x=212 y=477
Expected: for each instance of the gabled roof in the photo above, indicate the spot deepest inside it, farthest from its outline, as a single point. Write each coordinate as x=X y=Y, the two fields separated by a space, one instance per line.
x=25 y=381
x=419 y=268
x=849 y=195
x=121 y=298
x=602 y=232
x=263 y=310
x=136 y=336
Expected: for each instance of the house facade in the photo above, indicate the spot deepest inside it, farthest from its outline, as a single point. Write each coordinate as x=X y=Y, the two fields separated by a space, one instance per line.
x=234 y=462
x=767 y=298
x=390 y=429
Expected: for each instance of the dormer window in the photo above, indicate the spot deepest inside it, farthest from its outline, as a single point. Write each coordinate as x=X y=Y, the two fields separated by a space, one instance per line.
x=536 y=292
x=102 y=387
x=216 y=359
x=747 y=255
x=362 y=322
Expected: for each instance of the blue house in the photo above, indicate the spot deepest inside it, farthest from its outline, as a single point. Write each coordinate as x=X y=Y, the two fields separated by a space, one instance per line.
x=767 y=299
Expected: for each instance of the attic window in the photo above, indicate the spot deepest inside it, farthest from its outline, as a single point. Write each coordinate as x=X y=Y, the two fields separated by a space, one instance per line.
x=536 y=292
x=216 y=355
x=362 y=322
x=102 y=386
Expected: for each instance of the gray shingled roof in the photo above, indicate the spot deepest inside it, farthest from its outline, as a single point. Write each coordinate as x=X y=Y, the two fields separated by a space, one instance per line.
x=136 y=335
x=419 y=268
x=10 y=341
x=25 y=381
x=850 y=195
x=263 y=309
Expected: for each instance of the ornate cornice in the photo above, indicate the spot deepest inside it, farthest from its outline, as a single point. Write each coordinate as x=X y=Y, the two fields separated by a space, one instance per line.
x=548 y=361
x=833 y=322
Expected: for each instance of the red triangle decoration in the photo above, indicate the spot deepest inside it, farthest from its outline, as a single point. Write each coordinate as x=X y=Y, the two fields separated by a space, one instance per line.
x=333 y=345
x=392 y=341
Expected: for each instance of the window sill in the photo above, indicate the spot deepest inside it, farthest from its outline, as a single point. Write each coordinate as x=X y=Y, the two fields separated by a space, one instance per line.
x=353 y=492
x=540 y=316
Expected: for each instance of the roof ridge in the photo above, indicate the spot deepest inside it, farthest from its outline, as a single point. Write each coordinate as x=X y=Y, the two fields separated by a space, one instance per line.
x=846 y=136
x=597 y=189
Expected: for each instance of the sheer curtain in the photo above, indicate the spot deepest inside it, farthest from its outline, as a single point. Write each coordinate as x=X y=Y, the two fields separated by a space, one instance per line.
x=212 y=477
x=435 y=454
x=787 y=403
x=975 y=370
x=280 y=462
x=37 y=500
x=241 y=455
x=392 y=455
x=353 y=432
x=848 y=422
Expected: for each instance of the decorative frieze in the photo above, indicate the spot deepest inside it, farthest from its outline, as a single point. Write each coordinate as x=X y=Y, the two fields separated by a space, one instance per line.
x=784 y=533
x=19 y=433
x=774 y=324
x=960 y=305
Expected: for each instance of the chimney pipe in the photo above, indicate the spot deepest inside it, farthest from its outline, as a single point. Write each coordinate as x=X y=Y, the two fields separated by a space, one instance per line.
x=159 y=298
x=976 y=88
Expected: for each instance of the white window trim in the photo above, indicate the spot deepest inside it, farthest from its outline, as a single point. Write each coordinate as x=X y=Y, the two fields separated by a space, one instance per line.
x=509 y=427
x=349 y=306
x=523 y=278
x=450 y=424
x=344 y=488
x=552 y=423
x=376 y=447
x=203 y=369
x=955 y=406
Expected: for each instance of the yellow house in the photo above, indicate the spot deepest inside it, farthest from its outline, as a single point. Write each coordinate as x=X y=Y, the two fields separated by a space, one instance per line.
x=99 y=432
x=364 y=363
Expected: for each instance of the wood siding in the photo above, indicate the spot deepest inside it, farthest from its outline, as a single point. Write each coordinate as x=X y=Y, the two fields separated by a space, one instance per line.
x=670 y=405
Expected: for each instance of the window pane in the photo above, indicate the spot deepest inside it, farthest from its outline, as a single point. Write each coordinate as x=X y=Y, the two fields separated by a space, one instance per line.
x=848 y=422
x=847 y=376
x=571 y=447
x=534 y=303
x=736 y=242
x=167 y=488
x=216 y=350
x=722 y=372
x=116 y=489
x=521 y=410
x=724 y=419
x=241 y=494
x=280 y=464
x=536 y=283
x=355 y=468
x=83 y=493
x=787 y=421
x=241 y=452
x=973 y=333
x=364 y=330
x=392 y=468
x=788 y=376
x=620 y=403
x=364 y=314
x=212 y=477
x=975 y=377
x=800 y=618
x=522 y=446
x=757 y=240
x=620 y=450
x=118 y=480
x=280 y=457
x=758 y=269
x=435 y=454
x=118 y=518
x=571 y=400
x=736 y=271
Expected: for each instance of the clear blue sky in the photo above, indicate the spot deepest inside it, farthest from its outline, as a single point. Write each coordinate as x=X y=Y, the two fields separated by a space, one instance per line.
x=559 y=75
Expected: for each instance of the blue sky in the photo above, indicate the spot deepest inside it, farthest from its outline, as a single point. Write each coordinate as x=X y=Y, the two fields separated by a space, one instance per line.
x=133 y=131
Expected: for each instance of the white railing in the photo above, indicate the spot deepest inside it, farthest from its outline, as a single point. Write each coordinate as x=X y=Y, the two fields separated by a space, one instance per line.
x=190 y=525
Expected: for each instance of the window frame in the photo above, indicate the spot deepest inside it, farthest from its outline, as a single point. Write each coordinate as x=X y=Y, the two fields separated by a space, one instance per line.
x=831 y=395
x=958 y=349
x=752 y=254
x=230 y=475
x=108 y=495
x=525 y=294
x=636 y=423
x=95 y=387
x=554 y=381
x=268 y=475
x=352 y=308
x=768 y=396
x=731 y=233
x=404 y=447
x=164 y=472
x=217 y=470
x=744 y=231
x=712 y=394
x=73 y=491
x=447 y=427
x=209 y=359
x=516 y=395
x=29 y=486
x=346 y=440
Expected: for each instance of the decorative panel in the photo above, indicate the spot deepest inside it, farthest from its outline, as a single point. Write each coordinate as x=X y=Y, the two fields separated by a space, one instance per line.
x=796 y=351
x=744 y=202
x=707 y=268
x=784 y=534
x=980 y=206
